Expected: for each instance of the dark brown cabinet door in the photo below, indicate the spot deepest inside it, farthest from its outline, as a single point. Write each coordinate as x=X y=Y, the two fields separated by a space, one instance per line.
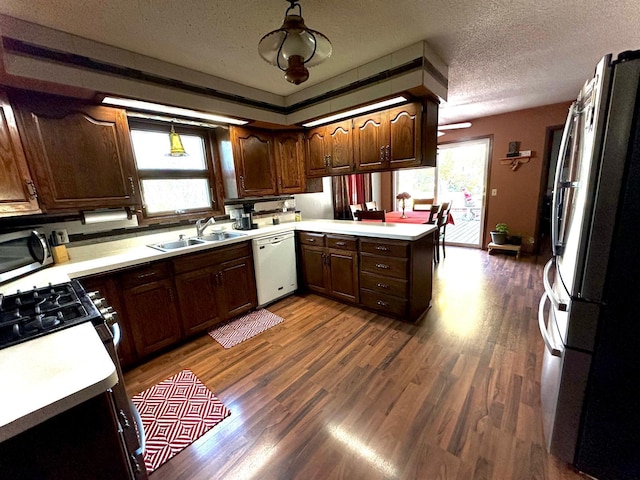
x=339 y=147
x=154 y=315
x=405 y=137
x=343 y=273
x=254 y=161
x=315 y=152
x=313 y=268
x=107 y=287
x=198 y=293
x=289 y=162
x=17 y=190
x=238 y=288
x=370 y=135
x=80 y=155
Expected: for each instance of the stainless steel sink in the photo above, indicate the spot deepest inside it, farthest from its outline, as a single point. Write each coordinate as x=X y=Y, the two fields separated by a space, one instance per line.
x=168 y=246
x=218 y=237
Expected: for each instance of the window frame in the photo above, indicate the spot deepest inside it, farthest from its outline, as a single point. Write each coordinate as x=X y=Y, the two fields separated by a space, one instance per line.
x=213 y=172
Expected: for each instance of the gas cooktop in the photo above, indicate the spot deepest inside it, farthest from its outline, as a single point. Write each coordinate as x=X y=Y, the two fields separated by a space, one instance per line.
x=40 y=311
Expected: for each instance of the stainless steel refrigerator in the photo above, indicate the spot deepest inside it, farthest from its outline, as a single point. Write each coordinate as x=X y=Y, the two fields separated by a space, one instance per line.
x=589 y=314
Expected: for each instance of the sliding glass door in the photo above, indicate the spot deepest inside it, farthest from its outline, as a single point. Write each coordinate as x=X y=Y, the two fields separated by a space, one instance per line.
x=460 y=178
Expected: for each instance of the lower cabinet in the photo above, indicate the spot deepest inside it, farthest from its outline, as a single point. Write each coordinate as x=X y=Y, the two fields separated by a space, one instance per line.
x=151 y=309
x=330 y=264
x=214 y=286
x=392 y=277
x=161 y=303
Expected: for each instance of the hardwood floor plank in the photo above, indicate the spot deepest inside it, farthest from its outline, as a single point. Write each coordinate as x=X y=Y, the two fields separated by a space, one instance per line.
x=337 y=392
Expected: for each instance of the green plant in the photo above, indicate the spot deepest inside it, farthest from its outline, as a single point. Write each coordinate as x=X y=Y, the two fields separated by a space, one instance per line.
x=502 y=228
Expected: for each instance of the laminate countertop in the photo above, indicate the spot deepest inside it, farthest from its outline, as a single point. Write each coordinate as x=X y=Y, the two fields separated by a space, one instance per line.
x=48 y=375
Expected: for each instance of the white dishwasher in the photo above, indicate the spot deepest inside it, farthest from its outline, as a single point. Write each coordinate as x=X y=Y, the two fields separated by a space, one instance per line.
x=274 y=259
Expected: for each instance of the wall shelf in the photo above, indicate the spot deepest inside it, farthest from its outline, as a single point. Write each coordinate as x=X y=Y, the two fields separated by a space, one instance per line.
x=515 y=162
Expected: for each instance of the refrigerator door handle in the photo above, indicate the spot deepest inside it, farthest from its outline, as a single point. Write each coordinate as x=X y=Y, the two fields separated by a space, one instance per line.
x=553 y=349
x=549 y=289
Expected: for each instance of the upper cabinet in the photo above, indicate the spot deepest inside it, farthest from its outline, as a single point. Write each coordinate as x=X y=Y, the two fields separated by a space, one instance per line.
x=401 y=137
x=80 y=155
x=329 y=150
x=254 y=163
x=269 y=163
x=17 y=190
x=388 y=139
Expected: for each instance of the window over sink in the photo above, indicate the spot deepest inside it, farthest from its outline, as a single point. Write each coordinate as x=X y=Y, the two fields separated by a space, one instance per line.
x=175 y=187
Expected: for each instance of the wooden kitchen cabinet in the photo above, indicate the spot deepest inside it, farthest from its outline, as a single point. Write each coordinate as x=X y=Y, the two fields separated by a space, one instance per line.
x=330 y=264
x=214 y=286
x=329 y=150
x=254 y=161
x=388 y=139
x=290 y=164
x=80 y=155
x=151 y=307
x=17 y=189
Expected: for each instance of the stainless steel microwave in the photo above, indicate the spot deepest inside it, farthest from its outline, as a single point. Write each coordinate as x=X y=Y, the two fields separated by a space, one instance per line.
x=23 y=252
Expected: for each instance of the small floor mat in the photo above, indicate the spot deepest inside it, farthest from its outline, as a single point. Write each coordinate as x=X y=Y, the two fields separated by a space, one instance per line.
x=244 y=327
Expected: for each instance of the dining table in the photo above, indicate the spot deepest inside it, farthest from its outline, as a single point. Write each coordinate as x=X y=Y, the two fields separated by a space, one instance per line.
x=414 y=216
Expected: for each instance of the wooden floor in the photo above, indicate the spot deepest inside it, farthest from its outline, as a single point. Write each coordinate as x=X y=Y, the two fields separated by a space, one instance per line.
x=335 y=392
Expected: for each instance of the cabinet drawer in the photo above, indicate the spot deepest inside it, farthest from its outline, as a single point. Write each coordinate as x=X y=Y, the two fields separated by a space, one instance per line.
x=307 y=238
x=384 y=303
x=385 y=247
x=384 y=284
x=195 y=261
x=386 y=266
x=343 y=242
x=147 y=274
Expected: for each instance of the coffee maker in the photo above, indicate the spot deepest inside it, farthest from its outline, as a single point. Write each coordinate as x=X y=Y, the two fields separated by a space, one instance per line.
x=245 y=221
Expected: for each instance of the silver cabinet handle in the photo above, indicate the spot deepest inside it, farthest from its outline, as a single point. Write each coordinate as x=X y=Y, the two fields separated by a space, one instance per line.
x=311 y=240
x=382 y=285
x=388 y=153
x=131 y=184
x=553 y=350
x=125 y=420
x=242 y=182
x=382 y=304
x=382 y=248
x=549 y=289
x=340 y=244
x=384 y=266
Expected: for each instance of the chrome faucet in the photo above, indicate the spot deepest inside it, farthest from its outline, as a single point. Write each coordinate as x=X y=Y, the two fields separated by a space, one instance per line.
x=200 y=226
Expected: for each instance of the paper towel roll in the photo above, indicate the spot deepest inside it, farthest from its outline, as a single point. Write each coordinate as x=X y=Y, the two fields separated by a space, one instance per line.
x=100 y=216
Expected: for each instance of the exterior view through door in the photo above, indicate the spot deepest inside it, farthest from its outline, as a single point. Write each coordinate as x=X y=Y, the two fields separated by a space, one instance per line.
x=460 y=178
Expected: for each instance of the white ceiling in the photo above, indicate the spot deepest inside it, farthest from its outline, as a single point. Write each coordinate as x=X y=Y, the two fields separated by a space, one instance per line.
x=503 y=55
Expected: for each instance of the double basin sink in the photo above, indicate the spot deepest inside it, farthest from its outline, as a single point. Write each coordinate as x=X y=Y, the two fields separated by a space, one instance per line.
x=193 y=241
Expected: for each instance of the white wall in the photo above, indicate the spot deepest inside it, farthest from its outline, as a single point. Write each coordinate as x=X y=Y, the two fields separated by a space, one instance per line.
x=316 y=205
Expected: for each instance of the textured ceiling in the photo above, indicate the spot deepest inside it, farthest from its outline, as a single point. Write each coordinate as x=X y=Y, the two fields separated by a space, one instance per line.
x=503 y=55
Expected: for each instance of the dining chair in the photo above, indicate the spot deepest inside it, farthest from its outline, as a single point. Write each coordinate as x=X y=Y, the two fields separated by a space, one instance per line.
x=371 y=215
x=441 y=222
x=433 y=214
x=422 y=203
x=371 y=205
x=354 y=208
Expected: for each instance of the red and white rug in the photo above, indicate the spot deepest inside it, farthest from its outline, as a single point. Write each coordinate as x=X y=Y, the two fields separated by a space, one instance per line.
x=244 y=327
x=174 y=413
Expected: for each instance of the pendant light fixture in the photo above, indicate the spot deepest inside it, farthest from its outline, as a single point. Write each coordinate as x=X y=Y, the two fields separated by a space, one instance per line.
x=294 y=47
x=177 y=150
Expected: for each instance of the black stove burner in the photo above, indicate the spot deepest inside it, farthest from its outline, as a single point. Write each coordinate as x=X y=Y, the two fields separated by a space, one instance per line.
x=27 y=315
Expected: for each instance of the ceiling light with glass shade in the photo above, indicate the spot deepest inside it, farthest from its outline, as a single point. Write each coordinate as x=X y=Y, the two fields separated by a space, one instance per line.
x=294 y=47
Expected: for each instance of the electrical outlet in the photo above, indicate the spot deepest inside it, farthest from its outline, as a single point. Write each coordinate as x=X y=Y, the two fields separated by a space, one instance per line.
x=62 y=236
x=494 y=192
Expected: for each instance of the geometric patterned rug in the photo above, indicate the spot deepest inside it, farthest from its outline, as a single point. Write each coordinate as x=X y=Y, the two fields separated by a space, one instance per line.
x=245 y=327
x=175 y=413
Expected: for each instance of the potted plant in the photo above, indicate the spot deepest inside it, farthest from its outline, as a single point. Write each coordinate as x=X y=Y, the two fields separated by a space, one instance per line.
x=499 y=235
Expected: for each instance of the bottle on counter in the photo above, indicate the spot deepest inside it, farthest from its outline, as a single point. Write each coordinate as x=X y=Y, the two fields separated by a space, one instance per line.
x=298 y=216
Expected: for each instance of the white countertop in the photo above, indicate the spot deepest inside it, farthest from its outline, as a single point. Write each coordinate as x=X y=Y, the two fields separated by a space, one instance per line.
x=47 y=375
x=50 y=374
